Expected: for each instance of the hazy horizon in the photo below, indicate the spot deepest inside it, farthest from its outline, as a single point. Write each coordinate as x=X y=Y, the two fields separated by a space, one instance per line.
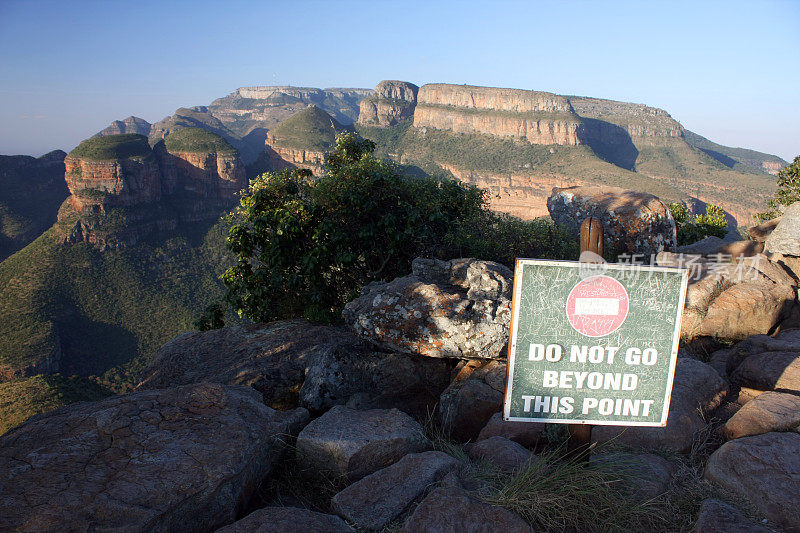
x=726 y=71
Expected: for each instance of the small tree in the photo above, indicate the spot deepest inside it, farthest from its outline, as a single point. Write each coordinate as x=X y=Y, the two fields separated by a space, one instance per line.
x=694 y=228
x=788 y=191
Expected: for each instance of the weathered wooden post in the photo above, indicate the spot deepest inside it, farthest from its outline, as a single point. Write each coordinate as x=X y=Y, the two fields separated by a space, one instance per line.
x=580 y=435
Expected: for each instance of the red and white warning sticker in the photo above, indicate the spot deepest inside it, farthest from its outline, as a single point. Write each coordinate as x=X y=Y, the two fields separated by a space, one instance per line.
x=597 y=306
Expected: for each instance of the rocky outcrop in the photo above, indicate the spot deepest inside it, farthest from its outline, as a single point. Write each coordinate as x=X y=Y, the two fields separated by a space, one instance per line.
x=769 y=411
x=458 y=308
x=392 y=102
x=538 y=117
x=283 y=519
x=474 y=396
x=783 y=244
x=764 y=469
x=281 y=157
x=208 y=174
x=129 y=125
x=633 y=222
x=185 y=458
x=719 y=517
x=636 y=119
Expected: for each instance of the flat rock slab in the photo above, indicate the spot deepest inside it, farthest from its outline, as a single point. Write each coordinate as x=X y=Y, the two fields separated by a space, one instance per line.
x=719 y=517
x=285 y=519
x=697 y=386
x=765 y=469
x=379 y=498
x=451 y=509
x=272 y=358
x=354 y=443
x=186 y=458
x=459 y=308
x=506 y=454
x=769 y=411
x=527 y=434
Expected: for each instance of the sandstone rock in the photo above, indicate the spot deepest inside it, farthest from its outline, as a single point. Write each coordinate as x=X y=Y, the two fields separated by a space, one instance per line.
x=472 y=399
x=646 y=475
x=272 y=358
x=769 y=371
x=379 y=498
x=712 y=245
x=283 y=519
x=392 y=102
x=375 y=380
x=770 y=411
x=526 y=433
x=764 y=469
x=633 y=222
x=785 y=238
x=451 y=509
x=784 y=341
x=696 y=386
x=128 y=125
x=760 y=232
x=719 y=517
x=458 y=308
x=185 y=458
x=357 y=443
x=506 y=454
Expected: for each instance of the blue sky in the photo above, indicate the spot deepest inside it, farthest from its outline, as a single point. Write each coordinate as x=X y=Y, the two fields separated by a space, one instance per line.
x=727 y=70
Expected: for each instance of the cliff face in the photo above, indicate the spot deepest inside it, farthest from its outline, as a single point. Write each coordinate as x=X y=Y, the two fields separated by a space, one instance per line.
x=95 y=186
x=539 y=118
x=209 y=175
x=636 y=119
x=392 y=102
x=281 y=157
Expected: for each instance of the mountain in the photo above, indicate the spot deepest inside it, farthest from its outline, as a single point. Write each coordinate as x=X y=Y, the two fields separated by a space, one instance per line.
x=737 y=158
x=31 y=190
x=129 y=125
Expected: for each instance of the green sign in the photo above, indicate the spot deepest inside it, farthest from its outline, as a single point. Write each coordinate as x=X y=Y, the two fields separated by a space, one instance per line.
x=593 y=343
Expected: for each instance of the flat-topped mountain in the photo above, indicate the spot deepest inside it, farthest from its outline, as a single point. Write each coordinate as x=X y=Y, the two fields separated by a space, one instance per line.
x=129 y=125
x=392 y=102
x=303 y=139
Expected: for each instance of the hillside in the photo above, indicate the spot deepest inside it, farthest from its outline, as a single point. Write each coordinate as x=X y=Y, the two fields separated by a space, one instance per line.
x=197 y=140
x=31 y=190
x=109 y=147
x=129 y=125
x=740 y=159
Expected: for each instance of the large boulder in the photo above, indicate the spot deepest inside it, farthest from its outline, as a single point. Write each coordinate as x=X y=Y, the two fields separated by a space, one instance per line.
x=272 y=358
x=696 y=387
x=459 y=308
x=733 y=300
x=379 y=498
x=354 y=444
x=646 y=476
x=451 y=508
x=764 y=469
x=633 y=222
x=719 y=517
x=186 y=458
x=784 y=341
x=785 y=238
x=506 y=455
x=283 y=519
x=770 y=411
x=525 y=433
x=769 y=371
x=474 y=396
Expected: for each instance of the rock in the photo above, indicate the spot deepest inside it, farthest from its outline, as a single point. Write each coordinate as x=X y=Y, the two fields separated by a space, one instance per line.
x=706 y=246
x=379 y=498
x=506 y=454
x=719 y=361
x=770 y=411
x=184 y=458
x=785 y=238
x=712 y=245
x=473 y=397
x=451 y=509
x=458 y=308
x=272 y=358
x=283 y=519
x=129 y=125
x=764 y=469
x=357 y=443
x=393 y=102
x=719 y=517
x=769 y=371
x=696 y=386
x=735 y=300
x=785 y=341
x=527 y=434
x=762 y=231
x=375 y=380
x=647 y=475
x=633 y=222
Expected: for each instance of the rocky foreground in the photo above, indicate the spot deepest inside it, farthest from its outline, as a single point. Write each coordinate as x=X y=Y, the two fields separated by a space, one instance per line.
x=397 y=418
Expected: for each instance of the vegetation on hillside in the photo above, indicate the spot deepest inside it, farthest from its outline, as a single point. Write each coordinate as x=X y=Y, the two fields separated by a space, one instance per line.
x=23 y=398
x=788 y=191
x=692 y=228
x=310 y=129
x=197 y=140
x=741 y=159
x=305 y=247
x=111 y=147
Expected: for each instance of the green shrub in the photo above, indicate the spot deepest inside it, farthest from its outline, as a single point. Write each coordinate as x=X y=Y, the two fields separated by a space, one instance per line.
x=788 y=191
x=112 y=147
x=197 y=140
x=305 y=247
x=694 y=228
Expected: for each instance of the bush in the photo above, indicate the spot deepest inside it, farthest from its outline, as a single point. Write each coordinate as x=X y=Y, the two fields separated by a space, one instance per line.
x=788 y=191
x=694 y=228
x=305 y=247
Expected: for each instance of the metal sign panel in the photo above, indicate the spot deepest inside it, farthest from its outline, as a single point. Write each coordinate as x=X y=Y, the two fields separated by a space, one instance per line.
x=593 y=343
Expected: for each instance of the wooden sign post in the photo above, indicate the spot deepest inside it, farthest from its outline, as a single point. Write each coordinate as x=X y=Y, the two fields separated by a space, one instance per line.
x=593 y=344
